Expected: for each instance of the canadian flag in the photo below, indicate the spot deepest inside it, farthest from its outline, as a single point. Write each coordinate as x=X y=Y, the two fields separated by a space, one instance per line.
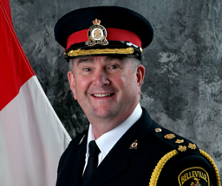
x=32 y=137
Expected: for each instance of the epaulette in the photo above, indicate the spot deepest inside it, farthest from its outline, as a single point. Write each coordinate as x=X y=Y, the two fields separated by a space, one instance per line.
x=180 y=145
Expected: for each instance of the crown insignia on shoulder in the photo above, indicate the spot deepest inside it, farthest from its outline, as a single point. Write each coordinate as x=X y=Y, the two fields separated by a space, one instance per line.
x=179 y=141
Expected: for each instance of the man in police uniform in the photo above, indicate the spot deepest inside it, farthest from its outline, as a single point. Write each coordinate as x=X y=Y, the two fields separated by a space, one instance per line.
x=123 y=145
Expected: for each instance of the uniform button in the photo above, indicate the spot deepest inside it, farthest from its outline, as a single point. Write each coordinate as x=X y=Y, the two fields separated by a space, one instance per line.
x=157 y=130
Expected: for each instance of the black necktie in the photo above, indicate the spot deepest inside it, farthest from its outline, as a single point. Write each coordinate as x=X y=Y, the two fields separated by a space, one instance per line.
x=92 y=161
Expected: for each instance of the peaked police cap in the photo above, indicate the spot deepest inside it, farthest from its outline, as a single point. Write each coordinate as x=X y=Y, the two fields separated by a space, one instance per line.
x=106 y=30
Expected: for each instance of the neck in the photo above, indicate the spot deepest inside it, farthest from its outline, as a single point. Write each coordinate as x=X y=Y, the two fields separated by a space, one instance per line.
x=100 y=128
x=102 y=125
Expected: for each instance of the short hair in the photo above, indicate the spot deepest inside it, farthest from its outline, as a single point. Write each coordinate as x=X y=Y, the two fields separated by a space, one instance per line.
x=135 y=63
x=71 y=65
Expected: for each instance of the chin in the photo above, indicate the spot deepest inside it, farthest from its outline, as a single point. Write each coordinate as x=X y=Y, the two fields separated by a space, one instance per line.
x=103 y=113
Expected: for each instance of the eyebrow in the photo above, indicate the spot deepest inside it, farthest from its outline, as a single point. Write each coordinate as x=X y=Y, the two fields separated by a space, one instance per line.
x=90 y=60
x=81 y=60
x=108 y=58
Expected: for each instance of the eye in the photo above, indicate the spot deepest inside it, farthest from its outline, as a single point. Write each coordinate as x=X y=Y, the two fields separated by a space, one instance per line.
x=86 y=69
x=112 y=67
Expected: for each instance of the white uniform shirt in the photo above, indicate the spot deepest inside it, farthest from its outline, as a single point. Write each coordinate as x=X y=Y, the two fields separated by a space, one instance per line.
x=109 y=139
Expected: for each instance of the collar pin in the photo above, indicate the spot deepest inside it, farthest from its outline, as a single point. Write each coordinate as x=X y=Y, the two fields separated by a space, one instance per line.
x=134 y=145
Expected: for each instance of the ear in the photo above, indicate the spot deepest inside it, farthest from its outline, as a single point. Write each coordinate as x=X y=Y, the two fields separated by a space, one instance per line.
x=71 y=82
x=140 y=73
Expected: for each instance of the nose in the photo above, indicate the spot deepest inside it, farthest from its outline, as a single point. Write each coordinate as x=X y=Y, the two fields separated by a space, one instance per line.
x=101 y=78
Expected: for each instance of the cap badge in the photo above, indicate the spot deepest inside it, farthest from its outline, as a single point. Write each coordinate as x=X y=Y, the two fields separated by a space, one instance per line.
x=169 y=136
x=97 y=34
x=134 y=145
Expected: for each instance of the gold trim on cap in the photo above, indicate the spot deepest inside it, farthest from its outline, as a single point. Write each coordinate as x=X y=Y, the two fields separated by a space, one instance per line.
x=82 y=52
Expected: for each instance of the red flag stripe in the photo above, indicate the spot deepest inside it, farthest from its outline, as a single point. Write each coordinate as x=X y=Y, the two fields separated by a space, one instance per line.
x=7 y=9
x=15 y=69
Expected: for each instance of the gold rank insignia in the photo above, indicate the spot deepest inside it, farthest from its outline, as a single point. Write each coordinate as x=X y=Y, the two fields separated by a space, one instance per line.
x=179 y=141
x=169 y=136
x=182 y=148
x=134 y=145
x=192 y=146
x=194 y=176
x=97 y=34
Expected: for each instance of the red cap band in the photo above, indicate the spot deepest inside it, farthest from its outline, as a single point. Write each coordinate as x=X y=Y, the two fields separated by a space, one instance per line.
x=113 y=34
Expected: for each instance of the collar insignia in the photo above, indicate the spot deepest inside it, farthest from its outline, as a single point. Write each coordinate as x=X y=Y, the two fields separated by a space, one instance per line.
x=134 y=145
x=97 y=34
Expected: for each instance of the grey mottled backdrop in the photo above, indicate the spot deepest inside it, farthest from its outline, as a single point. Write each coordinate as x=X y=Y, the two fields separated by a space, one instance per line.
x=183 y=83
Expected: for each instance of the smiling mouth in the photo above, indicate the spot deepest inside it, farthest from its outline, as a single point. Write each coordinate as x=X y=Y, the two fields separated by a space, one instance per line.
x=102 y=95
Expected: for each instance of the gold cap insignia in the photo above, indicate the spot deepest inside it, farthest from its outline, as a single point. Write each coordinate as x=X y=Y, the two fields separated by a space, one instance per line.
x=169 y=136
x=80 y=142
x=157 y=130
x=179 y=141
x=97 y=34
x=134 y=145
x=182 y=148
x=192 y=146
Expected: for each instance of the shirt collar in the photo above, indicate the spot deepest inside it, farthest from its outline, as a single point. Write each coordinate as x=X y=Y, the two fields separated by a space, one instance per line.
x=109 y=139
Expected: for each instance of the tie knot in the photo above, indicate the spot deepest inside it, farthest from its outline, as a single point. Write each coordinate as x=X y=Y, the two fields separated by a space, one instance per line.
x=93 y=149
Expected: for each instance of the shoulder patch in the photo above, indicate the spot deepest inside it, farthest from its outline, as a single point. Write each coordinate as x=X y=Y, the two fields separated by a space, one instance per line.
x=194 y=176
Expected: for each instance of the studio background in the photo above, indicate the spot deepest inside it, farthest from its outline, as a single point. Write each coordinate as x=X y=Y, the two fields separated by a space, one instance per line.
x=182 y=90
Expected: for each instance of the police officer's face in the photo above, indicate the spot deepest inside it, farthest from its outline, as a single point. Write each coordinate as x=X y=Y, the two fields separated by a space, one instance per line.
x=106 y=88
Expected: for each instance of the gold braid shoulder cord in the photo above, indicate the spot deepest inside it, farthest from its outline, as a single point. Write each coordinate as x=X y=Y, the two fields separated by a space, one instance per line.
x=156 y=172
